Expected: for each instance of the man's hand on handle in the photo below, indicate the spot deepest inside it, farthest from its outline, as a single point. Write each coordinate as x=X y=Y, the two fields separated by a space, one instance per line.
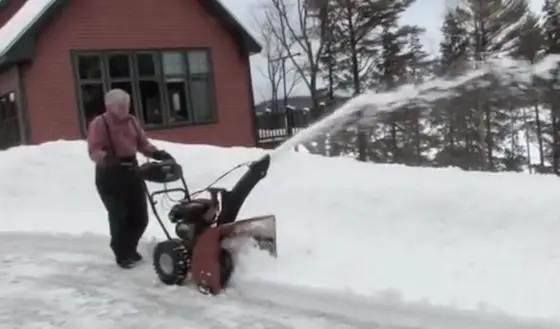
x=161 y=155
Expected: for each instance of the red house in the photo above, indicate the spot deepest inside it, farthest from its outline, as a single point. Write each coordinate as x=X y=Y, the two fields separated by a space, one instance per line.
x=184 y=62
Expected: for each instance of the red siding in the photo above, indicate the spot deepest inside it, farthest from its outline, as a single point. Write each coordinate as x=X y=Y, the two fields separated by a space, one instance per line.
x=110 y=24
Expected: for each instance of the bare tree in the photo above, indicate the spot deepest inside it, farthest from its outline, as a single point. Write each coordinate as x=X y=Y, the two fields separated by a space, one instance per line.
x=271 y=50
x=295 y=27
x=274 y=52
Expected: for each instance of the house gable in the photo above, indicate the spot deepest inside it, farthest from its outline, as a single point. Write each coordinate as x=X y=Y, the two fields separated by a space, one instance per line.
x=19 y=35
x=217 y=9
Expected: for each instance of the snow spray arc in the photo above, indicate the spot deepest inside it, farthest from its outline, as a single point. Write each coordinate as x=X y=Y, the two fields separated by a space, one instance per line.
x=512 y=75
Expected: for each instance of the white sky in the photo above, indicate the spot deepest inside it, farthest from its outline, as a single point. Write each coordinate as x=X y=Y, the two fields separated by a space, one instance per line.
x=425 y=13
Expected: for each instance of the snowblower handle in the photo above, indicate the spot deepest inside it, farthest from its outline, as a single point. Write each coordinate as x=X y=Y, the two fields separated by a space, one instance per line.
x=215 y=192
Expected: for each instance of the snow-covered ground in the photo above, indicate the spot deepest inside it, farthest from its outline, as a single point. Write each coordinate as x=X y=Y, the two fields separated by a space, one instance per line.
x=359 y=244
x=61 y=282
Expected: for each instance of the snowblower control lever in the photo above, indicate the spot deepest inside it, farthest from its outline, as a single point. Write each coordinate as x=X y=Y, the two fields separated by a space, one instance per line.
x=215 y=192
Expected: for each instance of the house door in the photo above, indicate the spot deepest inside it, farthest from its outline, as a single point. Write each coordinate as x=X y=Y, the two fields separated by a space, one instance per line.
x=9 y=122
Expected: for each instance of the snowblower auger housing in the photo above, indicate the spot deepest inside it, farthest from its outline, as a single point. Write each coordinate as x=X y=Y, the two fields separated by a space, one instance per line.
x=203 y=227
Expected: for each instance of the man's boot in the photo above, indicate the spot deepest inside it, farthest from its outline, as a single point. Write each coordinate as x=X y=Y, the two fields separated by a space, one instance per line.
x=136 y=257
x=125 y=263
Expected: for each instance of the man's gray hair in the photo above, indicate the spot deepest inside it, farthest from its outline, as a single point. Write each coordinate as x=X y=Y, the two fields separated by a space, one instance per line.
x=116 y=97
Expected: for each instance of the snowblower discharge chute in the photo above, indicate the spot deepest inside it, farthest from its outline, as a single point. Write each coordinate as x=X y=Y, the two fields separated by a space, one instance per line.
x=204 y=225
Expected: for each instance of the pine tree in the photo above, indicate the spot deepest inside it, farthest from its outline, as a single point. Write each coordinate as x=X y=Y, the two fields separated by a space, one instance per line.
x=529 y=47
x=392 y=71
x=354 y=44
x=454 y=48
x=551 y=26
x=349 y=48
x=494 y=26
x=450 y=119
x=352 y=24
x=418 y=67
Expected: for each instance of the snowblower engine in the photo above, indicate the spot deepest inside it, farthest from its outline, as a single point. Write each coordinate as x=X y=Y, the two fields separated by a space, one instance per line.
x=194 y=216
x=202 y=225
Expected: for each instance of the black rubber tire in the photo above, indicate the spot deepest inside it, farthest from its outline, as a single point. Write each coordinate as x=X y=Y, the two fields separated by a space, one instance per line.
x=226 y=267
x=178 y=254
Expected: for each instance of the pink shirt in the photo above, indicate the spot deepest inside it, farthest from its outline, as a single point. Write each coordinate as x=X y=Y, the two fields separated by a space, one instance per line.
x=127 y=136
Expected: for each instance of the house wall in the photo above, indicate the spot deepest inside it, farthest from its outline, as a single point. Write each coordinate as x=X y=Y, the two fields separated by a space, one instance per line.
x=148 y=24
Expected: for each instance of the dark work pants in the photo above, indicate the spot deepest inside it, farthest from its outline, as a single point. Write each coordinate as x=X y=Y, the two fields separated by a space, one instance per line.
x=122 y=193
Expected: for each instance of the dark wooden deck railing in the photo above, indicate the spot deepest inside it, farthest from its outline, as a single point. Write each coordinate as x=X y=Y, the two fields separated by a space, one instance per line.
x=275 y=127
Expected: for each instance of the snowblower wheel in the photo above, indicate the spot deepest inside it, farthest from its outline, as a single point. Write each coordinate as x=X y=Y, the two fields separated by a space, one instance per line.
x=226 y=267
x=170 y=261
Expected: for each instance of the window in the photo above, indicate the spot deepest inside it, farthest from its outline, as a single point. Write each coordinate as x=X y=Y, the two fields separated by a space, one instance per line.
x=90 y=86
x=149 y=89
x=9 y=121
x=120 y=75
x=167 y=88
x=176 y=86
x=200 y=85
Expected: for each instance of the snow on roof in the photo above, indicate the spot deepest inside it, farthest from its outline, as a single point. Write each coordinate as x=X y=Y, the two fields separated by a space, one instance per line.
x=24 y=18
x=240 y=11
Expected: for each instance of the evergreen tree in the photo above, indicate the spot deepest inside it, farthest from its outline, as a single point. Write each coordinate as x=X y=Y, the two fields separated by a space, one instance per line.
x=476 y=128
x=454 y=46
x=418 y=68
x=450 y=119
x=391 y=71
x=529 y=47
x=351 y=27
x=354 y=28
x=494 y=26
x=551 y=27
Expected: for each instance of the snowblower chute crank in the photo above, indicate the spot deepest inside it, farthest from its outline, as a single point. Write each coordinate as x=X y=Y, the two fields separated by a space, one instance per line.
x=204 y=225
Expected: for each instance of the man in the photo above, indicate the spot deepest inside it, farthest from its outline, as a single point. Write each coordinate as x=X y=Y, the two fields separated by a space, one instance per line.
x=114 y=138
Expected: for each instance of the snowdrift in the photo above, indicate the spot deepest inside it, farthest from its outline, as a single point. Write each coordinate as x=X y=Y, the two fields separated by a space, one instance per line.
x=469 y=241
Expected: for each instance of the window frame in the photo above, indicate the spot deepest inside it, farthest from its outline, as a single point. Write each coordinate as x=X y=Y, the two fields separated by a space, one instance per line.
x=18 y=123
x=186 y=75
x=136 y=78
x=105 y=68
x=157 y=77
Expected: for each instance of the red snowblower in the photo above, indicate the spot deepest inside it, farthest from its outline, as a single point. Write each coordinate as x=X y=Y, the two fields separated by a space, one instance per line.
x=204 y=225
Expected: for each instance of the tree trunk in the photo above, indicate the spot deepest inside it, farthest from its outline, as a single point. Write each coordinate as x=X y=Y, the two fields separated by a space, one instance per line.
x=395 y=145
x=554 y=120
x=528 y=142
x=489 y=139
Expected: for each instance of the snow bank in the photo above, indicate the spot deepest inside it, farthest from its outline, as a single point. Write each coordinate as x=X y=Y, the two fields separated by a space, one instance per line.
x=473 y=241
